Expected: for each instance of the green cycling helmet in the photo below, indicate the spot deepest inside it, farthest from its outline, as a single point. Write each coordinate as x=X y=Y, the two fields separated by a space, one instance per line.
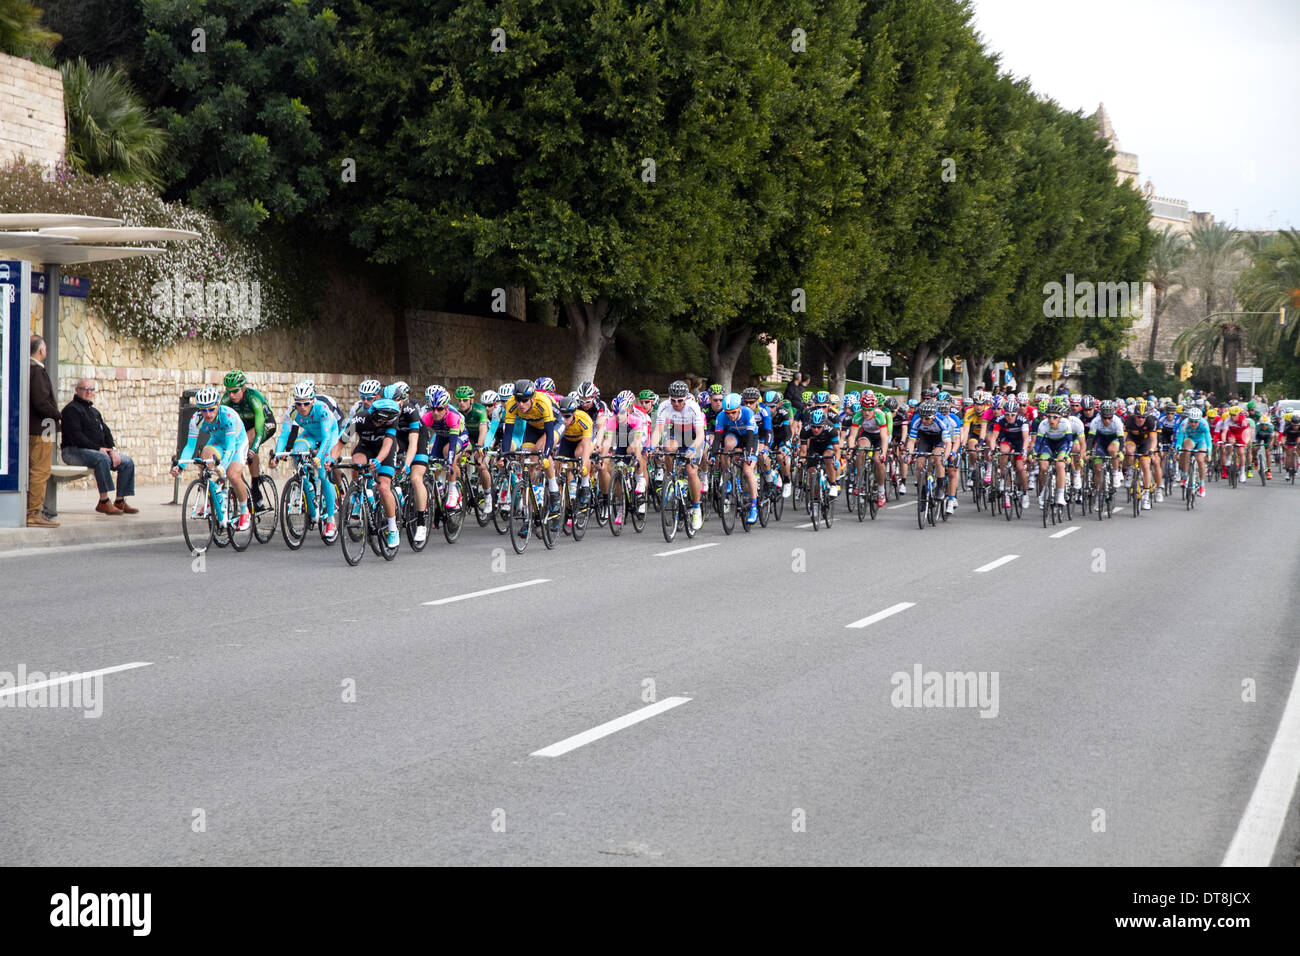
x=645 y=395
x=716 y=389
x=235 y=379
x=806 y=397
x=465 y=394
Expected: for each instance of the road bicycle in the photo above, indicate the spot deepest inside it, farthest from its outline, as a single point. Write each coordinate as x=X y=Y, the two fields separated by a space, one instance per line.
x=575 y=508
x=929 y=495
x=302 y=504
x=267 y=517
x=675 y=491
x=438 y=482
x=525 y=514
x=1102 y=486
x=361 y=518
x=209 y=510
x=817 y=493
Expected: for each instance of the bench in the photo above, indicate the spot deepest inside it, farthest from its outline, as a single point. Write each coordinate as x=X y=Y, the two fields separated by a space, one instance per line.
x=62 y=473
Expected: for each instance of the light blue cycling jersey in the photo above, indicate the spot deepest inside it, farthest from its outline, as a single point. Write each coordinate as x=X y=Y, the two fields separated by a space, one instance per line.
x=1199 y=433
x=225 y=433
x=317 y=425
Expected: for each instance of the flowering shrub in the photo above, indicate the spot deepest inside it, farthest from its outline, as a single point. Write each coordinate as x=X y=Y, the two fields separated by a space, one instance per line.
x=126 y=292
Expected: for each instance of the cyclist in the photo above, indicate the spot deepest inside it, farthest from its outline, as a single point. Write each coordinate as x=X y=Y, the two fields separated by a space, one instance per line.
x=1266 y=435
x=1140 y=433
x=447 y=434
x=782 y=414
x=1106 y=430
x=683 y=420
x=258 y=418
x=872 y=426
x=737 y=428
x=823 y=443
x=953 y=420
x=624 y=432
x=375 y=428
x=1234 y=429
x=750 y=398
x=227 y=443
x=898 y=421
x=1056 y=436
x=1193 y=432
x=929 y=433
x=541 y=424
x=477 y=425
x=575 y=442
x=589 y=401
x=413 y=443
x=1290 y=437
x=314 y=429
x=1167 y=424
x=1009 y=433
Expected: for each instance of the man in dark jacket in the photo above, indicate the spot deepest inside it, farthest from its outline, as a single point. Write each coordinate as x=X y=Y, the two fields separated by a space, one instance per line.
x=87 y=441
x=42 y=420
x=794 y=390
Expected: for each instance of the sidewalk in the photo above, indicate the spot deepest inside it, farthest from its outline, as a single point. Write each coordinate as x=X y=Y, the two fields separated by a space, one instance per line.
x=79 y=524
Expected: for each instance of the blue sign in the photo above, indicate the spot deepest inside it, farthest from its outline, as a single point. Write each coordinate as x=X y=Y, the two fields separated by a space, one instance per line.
x=75 y=287
x=12 y=358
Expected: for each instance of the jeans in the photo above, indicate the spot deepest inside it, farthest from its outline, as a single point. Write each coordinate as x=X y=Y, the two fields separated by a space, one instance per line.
x=103 y=467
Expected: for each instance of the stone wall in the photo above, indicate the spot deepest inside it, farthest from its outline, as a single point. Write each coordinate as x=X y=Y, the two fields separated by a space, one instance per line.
x=31 y=112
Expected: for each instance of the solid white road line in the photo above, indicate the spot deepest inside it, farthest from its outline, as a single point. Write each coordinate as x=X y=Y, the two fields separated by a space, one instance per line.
x=605 y=729
x=10 y=691
x=1256 y=838
x=1062 y=534
x=905 y=504
x=996 y=564
x=694 y=547
x=881 y=615
x=474 y=594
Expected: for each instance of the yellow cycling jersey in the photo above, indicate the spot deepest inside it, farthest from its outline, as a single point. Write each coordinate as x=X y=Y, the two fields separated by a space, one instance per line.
x=541 y=412
x=973 y=418
x=579 y=428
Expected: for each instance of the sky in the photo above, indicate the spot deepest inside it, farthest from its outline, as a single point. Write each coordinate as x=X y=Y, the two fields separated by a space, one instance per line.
x=1204 y=91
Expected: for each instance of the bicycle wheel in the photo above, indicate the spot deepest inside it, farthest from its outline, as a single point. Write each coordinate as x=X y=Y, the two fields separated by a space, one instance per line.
x=500 y=513
x=293 y=514
x=1261 y=466
x=239 y=540
x=379 y=533
x=196 y=512
x=453 y=519
x=686 y=510
x=353 y=519
x=635 y=505
x=778 y=501
x=548 y=525
x=1048 y=497
x=482 y=500
x=617 y=504
x=267 y=517
x=922 y=505
x=668 y=516
x=863 y=494
x=520 y=514
x=815 y=510
x=726 y=500
x=581 y=515
x=1135 y=493
x=220 y=526
x=828 y=508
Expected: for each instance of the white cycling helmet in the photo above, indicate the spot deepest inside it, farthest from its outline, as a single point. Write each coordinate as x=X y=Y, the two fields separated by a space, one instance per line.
x=489 y=397
x=304 y=391
x=369 y=388
x=207 y=397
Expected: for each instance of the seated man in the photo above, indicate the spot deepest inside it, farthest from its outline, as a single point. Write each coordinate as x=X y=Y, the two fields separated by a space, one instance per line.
x=88 y=442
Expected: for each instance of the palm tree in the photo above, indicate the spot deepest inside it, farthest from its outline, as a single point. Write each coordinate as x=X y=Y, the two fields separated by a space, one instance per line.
x=1273 y=282
x=21 y=31
x=1214 y=259
x=1167 y=255
x=110 y=130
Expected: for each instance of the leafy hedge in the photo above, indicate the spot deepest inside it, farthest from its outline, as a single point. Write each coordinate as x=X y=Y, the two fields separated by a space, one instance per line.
x=124 y=291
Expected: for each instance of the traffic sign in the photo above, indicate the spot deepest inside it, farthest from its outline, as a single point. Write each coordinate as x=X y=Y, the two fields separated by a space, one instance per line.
x=1248 y=373
x=881 y=359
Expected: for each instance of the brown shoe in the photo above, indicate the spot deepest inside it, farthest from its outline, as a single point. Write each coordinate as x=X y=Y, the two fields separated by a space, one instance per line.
x=106 y=507
x=40 y=521
x=121 y=505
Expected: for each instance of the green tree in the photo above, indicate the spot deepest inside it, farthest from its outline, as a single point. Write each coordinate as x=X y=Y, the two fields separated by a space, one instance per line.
x=110 y=131
x=243 y=84
x=1168 y=252
x=22 y=34
x=1270 y=283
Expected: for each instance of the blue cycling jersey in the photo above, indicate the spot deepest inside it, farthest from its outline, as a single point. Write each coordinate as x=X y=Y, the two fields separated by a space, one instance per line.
x=225 y=433
x=744 y=424
x=1198 y=432
x=317 y=424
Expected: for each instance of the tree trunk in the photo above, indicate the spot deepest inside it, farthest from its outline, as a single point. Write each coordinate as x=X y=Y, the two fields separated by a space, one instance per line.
x=976 y=367
x=547 y=313
x=516 y=303
x=918 y=363
x=1155 y=324
x=725 y=348
x=593 y=328
x=838 y=358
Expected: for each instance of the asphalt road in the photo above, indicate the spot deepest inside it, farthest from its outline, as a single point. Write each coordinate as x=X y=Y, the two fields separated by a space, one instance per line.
x=1116 y=732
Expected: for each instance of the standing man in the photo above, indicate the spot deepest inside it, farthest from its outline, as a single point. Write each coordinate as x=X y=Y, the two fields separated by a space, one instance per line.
x=42 y=420
x=88 y=442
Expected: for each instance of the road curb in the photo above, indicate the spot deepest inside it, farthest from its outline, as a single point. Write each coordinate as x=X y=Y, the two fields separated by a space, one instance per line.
x=34 y=539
